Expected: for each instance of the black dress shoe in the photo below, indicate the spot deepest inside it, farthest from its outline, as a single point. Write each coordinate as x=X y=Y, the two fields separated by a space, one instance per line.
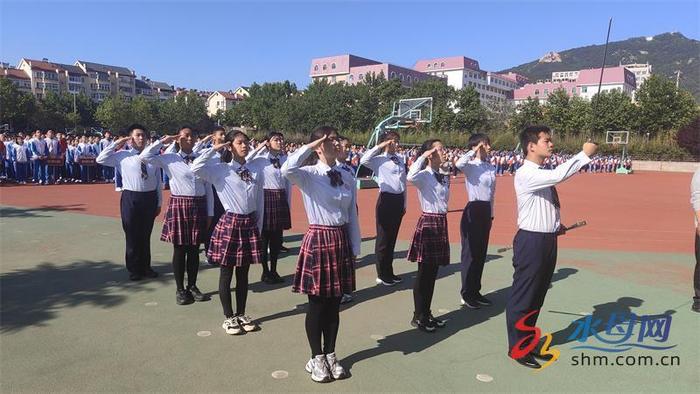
x=277 y=278
x=183 y=297
x=197 y=295
x=696 y=306
x=284 y=249
x=481 y=300
x=528 y=361
x=134 y=276
x=150 y=274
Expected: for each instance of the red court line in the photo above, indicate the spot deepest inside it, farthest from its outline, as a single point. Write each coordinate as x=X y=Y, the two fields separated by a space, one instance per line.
x=643 y=212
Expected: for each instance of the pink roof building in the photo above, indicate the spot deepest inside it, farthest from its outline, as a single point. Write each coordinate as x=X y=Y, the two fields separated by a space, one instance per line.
x=446 y=64
x=353 y=69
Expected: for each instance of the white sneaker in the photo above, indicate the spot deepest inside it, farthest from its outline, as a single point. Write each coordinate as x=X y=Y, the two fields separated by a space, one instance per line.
x=346 y=298
x=337 y=370
x=380 y=281
x=318 y=368
x=247 y=323
x=232 y=327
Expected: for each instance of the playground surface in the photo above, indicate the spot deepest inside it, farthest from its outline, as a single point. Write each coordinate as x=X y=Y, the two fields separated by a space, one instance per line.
x=71 y=320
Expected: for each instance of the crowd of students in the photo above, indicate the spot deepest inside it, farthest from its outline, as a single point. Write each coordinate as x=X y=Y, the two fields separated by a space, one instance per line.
x=45 y=158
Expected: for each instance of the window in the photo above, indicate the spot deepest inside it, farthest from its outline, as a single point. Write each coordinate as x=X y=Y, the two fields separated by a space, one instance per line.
x=584 y=89
x=546 y=91
x=428 y=65
x=537 y=92
x=333 y=66
x=316 y=67
x=333 y=79
x=435 y=65
x=442 y=64
x=351 y=77
x=393 y=75
x=324 y=67
x=360 y=77
x=408 y=78
x=573 y=90
x=401 y=76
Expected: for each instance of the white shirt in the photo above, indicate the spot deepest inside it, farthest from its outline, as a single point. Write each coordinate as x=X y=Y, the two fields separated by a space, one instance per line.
x=183 y=182
x=236 y=195
x=52 y=144
x=480 y=178
x=536 y=210
x=391 y=177
x=325 y=204
x=129 y=164
x=40 y=146
x=20 y=153
x=432 y=195
x=345 y=167
x=273 y=176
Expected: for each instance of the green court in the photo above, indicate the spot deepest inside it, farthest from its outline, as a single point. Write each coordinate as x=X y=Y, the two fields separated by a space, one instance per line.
x=71 y=321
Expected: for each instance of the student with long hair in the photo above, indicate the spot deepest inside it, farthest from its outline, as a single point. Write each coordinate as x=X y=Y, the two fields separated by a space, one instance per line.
x=325 y=268
x=235 y=243
x=189 y=210
x=430 y=246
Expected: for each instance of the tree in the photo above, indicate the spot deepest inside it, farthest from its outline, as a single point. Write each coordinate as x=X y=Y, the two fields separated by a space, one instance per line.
x=557 y=112
x=611 y=110
x=443 y=98
x=579 y=120
x=114 y=113
x=527 y=114
x=663 y=107
x=16 y=108
x=471 y=115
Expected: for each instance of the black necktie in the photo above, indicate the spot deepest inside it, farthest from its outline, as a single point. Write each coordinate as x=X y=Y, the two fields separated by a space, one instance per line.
x=395 y=160
x=244 y=174
x=144 y=171
x=336 y=178
x=555 y=197
x=188 y=159
x=275 y=162
x=440 y=177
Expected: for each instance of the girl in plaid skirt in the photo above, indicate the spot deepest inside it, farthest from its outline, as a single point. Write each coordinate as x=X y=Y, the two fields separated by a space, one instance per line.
x=277 y=193
x=430 y=246
x=325 y=268
x=189 y=210
x=235 y=243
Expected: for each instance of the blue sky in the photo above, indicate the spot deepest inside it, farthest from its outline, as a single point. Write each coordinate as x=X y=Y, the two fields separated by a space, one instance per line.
x=224 y=44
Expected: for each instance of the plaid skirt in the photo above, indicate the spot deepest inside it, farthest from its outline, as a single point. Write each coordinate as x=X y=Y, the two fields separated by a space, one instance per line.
x=326 y=266
x=430 y=243
x=185 y=220
x=235 y=241
x=276 y=215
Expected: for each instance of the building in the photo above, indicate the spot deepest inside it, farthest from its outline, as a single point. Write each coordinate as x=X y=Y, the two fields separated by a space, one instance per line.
x=19 y=78
x=641 y=72
x=44 y=76
x=585 y=85
x=461 y=71
x=143 y=88
x=222 y=101
x=162 y=90
x=353 y=69
x=564 y=76
x=105 y=80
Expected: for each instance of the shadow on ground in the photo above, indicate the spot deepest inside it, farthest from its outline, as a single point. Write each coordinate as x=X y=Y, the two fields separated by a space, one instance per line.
x=13 y=212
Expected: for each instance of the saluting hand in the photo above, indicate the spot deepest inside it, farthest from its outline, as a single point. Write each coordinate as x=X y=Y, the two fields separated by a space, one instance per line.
x=165 y=140
x=317 y=143
x=590 y=148
x=218 y=147
x=122 y=141
x=428 y=153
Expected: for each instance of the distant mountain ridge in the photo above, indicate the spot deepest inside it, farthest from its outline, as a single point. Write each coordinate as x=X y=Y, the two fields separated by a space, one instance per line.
x=667 y=53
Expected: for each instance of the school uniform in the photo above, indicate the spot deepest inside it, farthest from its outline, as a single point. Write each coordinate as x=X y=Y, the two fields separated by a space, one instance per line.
x=475 y=226
x=430 y=246
x=107 y=172
x=535 y=243
x=325 y=266
x=277 y=218
x=390 y=172
x=8 y=159
x=140 y=199
x=235 y=242
x=695 y=202
x=20 y=159
x=39 y=154
x=191 y=200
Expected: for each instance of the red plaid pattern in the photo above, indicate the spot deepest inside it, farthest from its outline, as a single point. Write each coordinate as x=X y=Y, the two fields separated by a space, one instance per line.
x=277 y=215
x=185 y=221
x=430 y=243
x=235 y=241
x=326 y=266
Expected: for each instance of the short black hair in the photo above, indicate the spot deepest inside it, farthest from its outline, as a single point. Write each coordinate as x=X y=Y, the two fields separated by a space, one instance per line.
x=427 y=145
x=532 y=134
x=477 y=138
x=343 y=138
x=185 y=127
x=321 y=131
x=219 y=128
x=274 y=134
x=136 y=126
x=389 y=134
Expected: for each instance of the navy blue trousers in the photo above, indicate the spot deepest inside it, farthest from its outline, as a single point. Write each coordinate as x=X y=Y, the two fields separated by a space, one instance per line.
x=534 y=259
x=138 y=211
x=389 y=213
x=474 y=227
